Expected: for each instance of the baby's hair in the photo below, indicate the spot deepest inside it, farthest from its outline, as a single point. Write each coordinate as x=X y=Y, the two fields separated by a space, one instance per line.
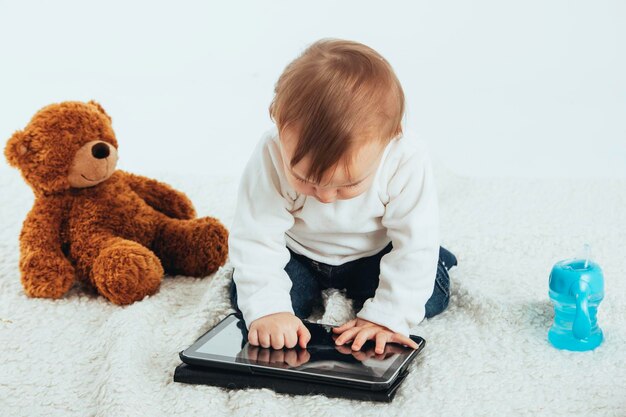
x=335 y=94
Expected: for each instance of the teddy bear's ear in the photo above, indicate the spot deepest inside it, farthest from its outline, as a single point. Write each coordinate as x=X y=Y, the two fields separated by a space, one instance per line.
x=99 y=107
x=16 y=148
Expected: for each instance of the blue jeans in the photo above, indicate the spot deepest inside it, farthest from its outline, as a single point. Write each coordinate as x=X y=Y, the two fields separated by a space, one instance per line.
x=359 y=278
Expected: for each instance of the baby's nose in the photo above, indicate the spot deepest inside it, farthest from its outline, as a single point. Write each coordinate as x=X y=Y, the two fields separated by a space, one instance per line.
x=100 y=150
x=325 y=197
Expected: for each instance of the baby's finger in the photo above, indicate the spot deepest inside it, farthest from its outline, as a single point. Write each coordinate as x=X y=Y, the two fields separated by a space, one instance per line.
x=400 y=338
x=253 y=337
x=364 y=335
x=347 y=335
x=264 y=339
x=277 y=340
x=381 y=340
x=303 y=335
x=291 y=338
x=346 y=325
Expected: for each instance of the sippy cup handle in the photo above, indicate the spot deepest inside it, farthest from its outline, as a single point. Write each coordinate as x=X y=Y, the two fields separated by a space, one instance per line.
x=582 y=322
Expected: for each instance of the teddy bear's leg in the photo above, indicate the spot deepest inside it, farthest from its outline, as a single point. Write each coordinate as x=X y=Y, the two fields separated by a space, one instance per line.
x=195 y=247
x=125 y=271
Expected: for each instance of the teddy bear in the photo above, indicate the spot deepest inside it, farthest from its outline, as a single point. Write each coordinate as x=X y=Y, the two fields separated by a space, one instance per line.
x=117 y=231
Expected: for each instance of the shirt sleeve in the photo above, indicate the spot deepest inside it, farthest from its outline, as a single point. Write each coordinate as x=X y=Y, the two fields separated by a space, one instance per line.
x=257 y=247
x=407 y=272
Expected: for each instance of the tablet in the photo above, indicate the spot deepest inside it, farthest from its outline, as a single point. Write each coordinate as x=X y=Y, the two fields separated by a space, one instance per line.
x=226 y=346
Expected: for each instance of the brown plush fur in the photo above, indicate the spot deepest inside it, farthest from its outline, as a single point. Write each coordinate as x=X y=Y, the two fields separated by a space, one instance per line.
x=121 y=234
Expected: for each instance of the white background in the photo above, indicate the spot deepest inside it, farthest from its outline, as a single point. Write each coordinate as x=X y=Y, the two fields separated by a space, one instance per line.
x=524 y=89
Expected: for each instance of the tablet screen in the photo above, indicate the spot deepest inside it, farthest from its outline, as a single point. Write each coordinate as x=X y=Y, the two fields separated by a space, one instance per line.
x=228 y=342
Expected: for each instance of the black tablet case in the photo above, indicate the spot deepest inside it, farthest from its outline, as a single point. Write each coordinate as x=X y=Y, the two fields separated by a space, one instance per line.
x=189 y=374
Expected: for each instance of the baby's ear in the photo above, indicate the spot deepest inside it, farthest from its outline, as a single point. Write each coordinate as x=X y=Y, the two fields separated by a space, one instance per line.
x=16 y=148
x=99 y=107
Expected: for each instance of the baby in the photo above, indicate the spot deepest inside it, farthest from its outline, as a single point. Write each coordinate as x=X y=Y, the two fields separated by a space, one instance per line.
x=337 y=196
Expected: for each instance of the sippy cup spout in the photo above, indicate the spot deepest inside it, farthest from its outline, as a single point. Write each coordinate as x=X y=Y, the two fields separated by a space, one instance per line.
x=586 y=253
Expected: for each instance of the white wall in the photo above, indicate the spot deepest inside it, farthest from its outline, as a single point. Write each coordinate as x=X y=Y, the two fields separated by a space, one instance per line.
x=528 y=88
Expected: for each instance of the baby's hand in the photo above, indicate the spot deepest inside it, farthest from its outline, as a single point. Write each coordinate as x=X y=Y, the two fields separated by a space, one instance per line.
x=362 y=330
x=278 y=330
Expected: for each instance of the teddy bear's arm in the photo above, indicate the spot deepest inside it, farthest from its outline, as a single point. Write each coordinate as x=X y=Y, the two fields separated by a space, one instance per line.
x=45 y=270
x=161 y=197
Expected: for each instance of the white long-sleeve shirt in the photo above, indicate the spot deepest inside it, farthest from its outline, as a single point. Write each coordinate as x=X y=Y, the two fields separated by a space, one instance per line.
x=400 y=206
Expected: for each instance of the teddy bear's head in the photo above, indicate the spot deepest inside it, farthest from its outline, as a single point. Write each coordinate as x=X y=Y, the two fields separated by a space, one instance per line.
x=65 y=145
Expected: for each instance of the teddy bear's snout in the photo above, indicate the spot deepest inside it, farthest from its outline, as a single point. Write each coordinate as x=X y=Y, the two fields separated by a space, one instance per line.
x=100 y=150
x=93 y=163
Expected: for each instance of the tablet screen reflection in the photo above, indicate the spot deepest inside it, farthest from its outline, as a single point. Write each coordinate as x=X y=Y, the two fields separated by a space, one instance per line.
x=323 y=354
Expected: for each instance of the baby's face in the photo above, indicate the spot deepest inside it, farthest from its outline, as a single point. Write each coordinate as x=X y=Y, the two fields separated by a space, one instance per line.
x=335 y=185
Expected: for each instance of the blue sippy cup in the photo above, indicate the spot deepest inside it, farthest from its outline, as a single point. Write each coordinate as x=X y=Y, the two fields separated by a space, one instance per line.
x=576 y=289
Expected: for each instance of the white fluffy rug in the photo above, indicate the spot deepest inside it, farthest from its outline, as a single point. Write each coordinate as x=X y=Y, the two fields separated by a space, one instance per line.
x=487 y=355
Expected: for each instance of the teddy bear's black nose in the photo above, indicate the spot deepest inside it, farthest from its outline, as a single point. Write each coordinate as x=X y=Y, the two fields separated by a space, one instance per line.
x=100 y=150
